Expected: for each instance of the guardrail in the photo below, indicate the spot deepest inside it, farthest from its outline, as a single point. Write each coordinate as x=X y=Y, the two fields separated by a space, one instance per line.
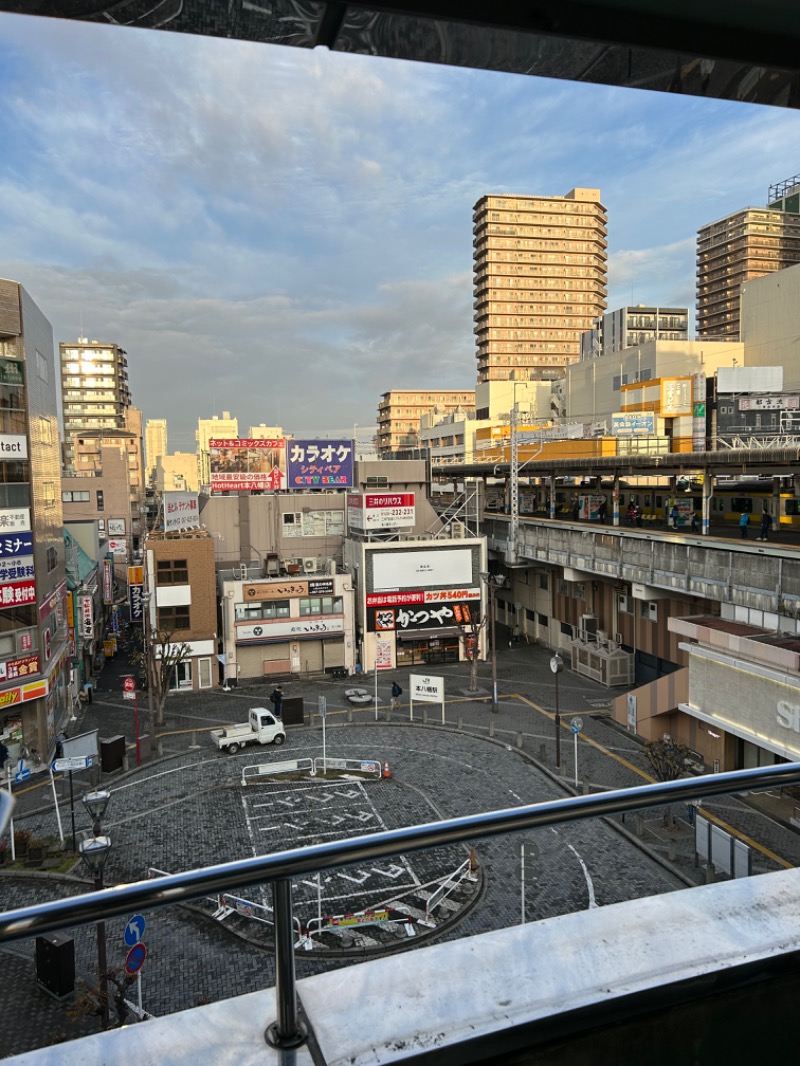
x=287 y=1031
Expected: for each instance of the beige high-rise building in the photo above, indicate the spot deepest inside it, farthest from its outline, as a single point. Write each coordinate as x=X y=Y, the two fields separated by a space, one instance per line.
x=94 y=390
x=176 y=472
x=734 y=250
x=539 y=281
x=400 y=412
x=155 y=444
x=214 y=428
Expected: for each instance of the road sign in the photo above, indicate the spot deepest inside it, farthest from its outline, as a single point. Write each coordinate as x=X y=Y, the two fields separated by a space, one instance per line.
x=134 y=960
x=323 y=706
x=576 y=725
x=134 y=930
x=74 y=762
x=23 y=773
x=129 y=688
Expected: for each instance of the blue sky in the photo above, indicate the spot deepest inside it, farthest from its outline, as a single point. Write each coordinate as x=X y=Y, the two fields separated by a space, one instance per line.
x=287 y=234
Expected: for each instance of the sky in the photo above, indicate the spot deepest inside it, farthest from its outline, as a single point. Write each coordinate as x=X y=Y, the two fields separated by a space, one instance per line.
x=287 y=234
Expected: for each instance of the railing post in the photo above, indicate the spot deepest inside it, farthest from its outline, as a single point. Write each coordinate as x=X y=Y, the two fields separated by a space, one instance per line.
x=288 y=1031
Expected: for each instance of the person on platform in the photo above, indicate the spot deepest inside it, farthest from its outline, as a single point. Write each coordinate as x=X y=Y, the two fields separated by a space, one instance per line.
x=766 y=525
x=744 y=521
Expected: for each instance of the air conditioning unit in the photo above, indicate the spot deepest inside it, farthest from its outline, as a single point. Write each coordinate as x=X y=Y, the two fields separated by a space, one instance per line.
x=602 y=636
x=588 y=627
x=458 y=530
x=309 y=566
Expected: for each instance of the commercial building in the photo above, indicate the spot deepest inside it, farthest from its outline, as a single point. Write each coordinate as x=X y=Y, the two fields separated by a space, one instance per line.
x=176 y=473
x=95 y=396
x=400 y=413
x=539 y=281
x=34 y=654
x=733 y=251
x=181 y=604
x=629 y=326
x=108 y=462
x=155 y=446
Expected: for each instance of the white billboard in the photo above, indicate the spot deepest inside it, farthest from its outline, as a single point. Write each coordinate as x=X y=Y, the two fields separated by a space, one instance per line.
x=297 y=627
x=381 y=510
x=181 y=511
x=421 y=569
x=117 y=547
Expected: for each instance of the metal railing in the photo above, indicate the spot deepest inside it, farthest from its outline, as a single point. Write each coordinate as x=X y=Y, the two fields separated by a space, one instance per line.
x=281 y=866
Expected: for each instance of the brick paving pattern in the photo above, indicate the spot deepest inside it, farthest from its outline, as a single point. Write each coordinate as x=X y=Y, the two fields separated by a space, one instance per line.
x=186 y=808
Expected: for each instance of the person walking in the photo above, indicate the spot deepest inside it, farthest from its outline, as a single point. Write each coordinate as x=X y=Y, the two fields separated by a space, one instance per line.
x=276 y=699
x=743 y=524
x=638 y=516
x=674 y=516
x=397 y=692
x=694 y=521
x=601 y=512
x=576 y=507
x=766 y=526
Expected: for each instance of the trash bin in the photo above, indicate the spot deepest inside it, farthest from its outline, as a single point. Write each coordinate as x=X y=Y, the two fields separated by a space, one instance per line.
x=112 y=754
x=55 y=964
x=292 y=710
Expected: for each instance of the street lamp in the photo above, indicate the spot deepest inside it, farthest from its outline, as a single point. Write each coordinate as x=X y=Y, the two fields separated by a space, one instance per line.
x=94 y=852
x=148 y=656
x=557 y=665
x=493 y=581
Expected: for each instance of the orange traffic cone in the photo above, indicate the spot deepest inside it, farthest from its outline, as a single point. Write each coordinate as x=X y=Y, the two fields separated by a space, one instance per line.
x=387 y=773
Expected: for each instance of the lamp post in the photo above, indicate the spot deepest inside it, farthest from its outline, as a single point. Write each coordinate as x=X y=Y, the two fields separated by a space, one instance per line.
x=148 y=657
x=557 y=665
x=493 y=581
x=94 y=852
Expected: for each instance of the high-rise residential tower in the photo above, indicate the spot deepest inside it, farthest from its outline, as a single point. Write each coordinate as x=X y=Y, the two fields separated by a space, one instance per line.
x=746 y=245
x=155 y=444
x=94 y=389
x=539 y=281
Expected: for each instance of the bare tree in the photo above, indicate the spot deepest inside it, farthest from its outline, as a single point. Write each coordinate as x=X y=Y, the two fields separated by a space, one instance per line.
x=470 y=636
x=667 y=760
x=158 y=663
x=89 y=999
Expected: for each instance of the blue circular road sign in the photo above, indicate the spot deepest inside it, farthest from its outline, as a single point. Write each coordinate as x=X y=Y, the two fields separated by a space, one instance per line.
x=134 y=930
x=135 y=958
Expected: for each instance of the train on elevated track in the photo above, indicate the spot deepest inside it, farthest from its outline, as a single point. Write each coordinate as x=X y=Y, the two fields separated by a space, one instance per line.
x=582 y=499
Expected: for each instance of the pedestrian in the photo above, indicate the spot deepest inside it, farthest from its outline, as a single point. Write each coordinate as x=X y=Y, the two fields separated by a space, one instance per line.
x=397 y=692
x=62 y=736
x=638 y=516
x=576 y=507
x=674 y=516
x=3 y=755
x=631 y=513
x=743 y=523
x=601 y=512
x=276 y=699
x=694 y=521
x=766 y=525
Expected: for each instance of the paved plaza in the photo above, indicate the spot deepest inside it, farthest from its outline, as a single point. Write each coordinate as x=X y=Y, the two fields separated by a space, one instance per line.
x=186 y=807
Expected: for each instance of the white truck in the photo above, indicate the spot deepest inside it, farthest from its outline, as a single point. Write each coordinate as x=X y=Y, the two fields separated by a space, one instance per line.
x=262 y=727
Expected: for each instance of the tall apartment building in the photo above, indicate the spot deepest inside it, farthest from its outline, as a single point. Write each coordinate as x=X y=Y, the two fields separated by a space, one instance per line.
x=225 y=428
x=34 y=653
x=629 y=326
x=94 y=389
x=155 y=445
x=734 y=250
x=400 y=412
x=539 y=281
x=176 y=473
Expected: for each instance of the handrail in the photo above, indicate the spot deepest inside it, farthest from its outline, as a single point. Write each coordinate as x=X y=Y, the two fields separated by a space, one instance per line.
x=281 y=866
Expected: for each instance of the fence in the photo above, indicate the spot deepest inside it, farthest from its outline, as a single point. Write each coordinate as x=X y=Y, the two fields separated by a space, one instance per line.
x=279 y=867
x=363 y=767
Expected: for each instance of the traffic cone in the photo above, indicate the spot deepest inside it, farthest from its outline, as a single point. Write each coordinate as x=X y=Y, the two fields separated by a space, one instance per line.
x=387 y=773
